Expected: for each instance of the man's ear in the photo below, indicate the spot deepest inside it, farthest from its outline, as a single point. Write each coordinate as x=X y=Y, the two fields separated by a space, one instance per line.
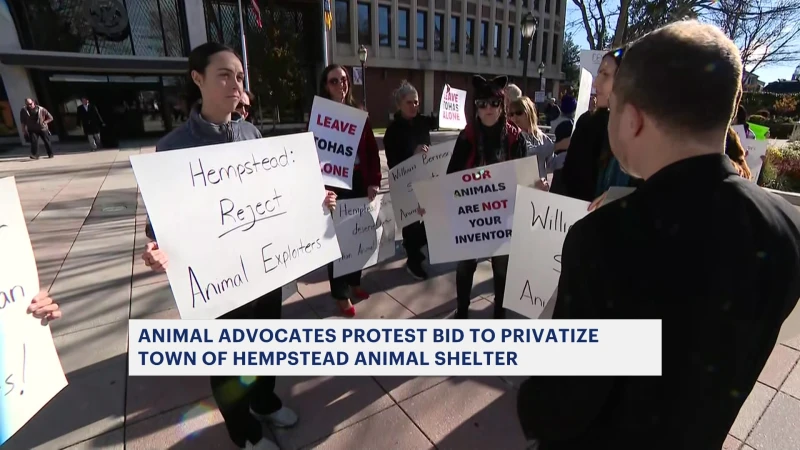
x=634 y=119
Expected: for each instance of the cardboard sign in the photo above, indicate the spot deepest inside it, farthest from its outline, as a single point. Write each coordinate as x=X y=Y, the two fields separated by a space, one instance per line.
x=452 y=112
x=422 y=166
x=584 y=95
x=366 y=233
x=237 y=220
x=337 y=132
x=591 y=59
x=30 y=371
x=755 y=152
x=468 y=214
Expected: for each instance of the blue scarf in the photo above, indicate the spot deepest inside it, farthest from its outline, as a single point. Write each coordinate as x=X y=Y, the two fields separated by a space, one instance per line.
x=612 y=176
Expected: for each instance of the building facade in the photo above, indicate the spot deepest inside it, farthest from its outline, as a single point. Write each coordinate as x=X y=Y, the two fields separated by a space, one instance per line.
x=129 y=57
x=431 y=43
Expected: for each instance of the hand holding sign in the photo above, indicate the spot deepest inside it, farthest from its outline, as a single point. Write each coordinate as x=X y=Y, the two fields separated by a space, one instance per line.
x=43 y=307
x=155 y=258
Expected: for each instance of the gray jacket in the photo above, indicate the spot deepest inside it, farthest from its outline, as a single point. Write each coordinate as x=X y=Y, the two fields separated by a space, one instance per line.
x=198 y=132
x=543 y=148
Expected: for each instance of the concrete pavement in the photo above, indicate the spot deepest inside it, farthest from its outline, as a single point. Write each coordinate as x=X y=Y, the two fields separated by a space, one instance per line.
x=86 y=222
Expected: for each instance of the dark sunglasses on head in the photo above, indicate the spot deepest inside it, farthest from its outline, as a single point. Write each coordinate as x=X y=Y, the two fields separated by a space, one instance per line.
x=337 y=81
x=495 y=103
x=516 y=113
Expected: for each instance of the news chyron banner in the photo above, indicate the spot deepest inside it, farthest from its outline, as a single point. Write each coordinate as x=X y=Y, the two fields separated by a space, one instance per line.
x=390 y=347
x=337 y=132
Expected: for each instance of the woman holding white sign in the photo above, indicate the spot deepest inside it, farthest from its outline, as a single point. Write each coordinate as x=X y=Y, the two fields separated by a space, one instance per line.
x=216 y=76
x=522 y=112
x=489 y=139
x=409 y=134
x=334 y=84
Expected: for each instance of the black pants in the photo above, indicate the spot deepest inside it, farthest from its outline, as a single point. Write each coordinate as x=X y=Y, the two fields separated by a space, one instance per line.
x=414 y=238
x=235 y=396
x=465 y=271
x=340 y=285
x=35 y=136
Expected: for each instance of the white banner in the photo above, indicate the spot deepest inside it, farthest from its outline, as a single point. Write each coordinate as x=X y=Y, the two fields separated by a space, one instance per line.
x=337 y=132
x=395 y=348
x=237 y=220
x=541 y=222
x=584 y=95
x=590 y=60
x=422 y=166
x=366 y=233
x=452 y=109
x=468 y=214
x=30 y=371
x=755 y=152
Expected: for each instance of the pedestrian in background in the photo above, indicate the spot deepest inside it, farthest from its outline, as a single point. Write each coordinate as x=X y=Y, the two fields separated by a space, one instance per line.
x=35 y=121
x=90 y=120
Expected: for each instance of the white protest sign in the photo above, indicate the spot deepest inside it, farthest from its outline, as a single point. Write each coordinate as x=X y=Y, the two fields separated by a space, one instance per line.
x=541 y=222
x=452 y=112
x=755 y=152
x=422 y=166
x=337 y=132
x=366 y=233
x=468 y=214
x=590 y=60
x=30 y=371
x=584 y=94
x=237 y=220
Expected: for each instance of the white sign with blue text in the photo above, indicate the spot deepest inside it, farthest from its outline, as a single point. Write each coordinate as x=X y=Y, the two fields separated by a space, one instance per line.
x=237 y=220
x=30 y=371
x=468 y=214
x=366 y=233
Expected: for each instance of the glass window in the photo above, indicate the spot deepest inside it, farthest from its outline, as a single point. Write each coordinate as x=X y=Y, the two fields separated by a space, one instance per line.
x=547 y=6
x=438 y=32
x=385 y=25
x=510 y=42
x=558 y=7
x=484 y=37
x=554 y=55
x=422 y=30
x=498 y=37
x=342 y=16
x=403 y=27
x=455 y=34
x=470 y=36
x=364 y=24
x=7 y=126
x=545 y=44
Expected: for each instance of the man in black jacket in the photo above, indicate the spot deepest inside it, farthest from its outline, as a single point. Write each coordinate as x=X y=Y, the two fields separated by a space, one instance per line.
x=712 y=255
x=90 y=119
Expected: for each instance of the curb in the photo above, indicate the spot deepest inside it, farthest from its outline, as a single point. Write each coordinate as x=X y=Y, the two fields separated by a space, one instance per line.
x=790 y=197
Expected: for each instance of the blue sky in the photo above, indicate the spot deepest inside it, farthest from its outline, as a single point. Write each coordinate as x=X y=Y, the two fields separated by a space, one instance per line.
x=766 y=74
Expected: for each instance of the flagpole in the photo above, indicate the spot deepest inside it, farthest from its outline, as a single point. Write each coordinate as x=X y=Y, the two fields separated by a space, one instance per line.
x=324 y=36
x=244 y=48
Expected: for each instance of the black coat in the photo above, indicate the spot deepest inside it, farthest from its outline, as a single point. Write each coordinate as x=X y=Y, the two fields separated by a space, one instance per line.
x=403 y=136
x=90 y=119
x=712 y=255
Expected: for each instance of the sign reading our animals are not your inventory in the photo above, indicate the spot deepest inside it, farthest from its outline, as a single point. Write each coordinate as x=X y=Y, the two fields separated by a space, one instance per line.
x=468 y=214
x=30 y=371
x=541 y=222
x=366 y=232
x=337 y=132
x=237 y=220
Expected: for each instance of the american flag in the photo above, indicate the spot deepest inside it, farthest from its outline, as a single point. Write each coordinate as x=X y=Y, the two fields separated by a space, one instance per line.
x=327 y=14
x=257 y=10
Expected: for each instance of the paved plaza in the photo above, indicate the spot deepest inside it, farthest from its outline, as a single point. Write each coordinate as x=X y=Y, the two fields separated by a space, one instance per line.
x=86 y=220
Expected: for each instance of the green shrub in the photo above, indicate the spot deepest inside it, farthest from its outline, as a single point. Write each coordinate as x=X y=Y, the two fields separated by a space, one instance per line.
x=757 y=119
x=781 y=169
x=776 y=104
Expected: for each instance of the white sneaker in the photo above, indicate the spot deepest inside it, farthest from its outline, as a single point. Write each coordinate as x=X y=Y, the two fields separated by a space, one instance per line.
x=263 y=444
x=282 y=418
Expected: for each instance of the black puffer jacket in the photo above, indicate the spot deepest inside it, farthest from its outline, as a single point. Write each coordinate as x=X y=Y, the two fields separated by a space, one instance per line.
x=403 y=136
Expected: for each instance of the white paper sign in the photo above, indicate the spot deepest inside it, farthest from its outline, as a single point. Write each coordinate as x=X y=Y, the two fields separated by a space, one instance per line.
x=422 y=166
x=452 y=111
x=591 y=59
x=541 y=222
x=337 y=132
x=468 y=214
x=237 y=220
x=584 y=94
x=539 y=97
x=30 y=371
x=366 y=232
x=358 y=76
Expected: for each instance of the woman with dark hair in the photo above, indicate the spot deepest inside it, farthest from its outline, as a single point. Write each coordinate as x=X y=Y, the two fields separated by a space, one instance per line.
x=741 y=119
x=489 y=138
x=737 y=153
x=590 y=168
x=334 y=84
x=214 y=91
x=243 y=108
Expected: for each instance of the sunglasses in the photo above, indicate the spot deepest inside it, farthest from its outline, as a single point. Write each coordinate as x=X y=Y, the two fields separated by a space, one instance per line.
x=516 y=113
x=337 y=81
x=486 y=103
x=243 y=107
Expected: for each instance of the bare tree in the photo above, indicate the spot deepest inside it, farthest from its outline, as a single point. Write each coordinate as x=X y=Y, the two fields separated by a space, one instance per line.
x=764 y=30
x=595 y=19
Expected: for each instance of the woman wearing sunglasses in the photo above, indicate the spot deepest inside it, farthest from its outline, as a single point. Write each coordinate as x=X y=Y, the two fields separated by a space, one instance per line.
x=243 y=108
x=489 y=139
x=523 y=113
x=334 y=84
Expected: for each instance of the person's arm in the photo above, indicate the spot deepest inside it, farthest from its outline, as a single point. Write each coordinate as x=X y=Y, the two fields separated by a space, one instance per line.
x=553 y=409
x=369 y=156
x=47 y=116
x=544 y=155
x=461 y=152
x=23 y=122
x=391 y=147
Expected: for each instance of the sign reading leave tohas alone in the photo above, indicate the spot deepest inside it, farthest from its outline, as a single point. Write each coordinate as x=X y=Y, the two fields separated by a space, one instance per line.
x=452 y=109
x=337 y=131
